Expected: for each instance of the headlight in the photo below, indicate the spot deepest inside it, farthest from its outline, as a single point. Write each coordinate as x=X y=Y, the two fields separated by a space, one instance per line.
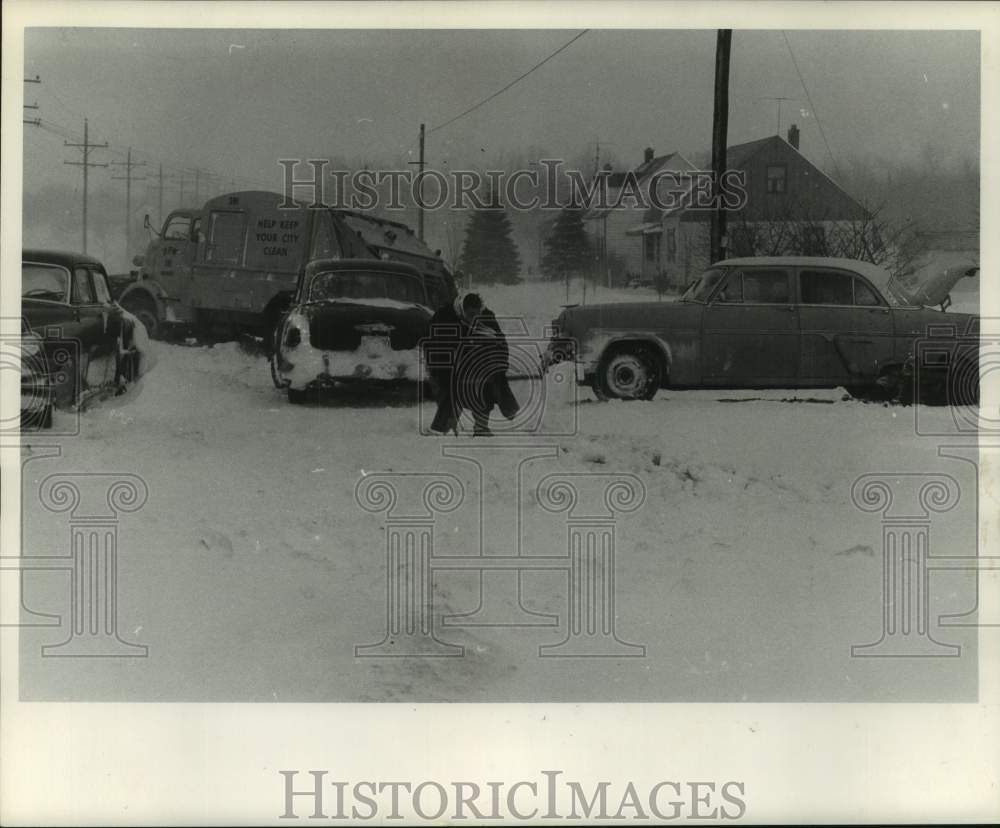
x=293 y=336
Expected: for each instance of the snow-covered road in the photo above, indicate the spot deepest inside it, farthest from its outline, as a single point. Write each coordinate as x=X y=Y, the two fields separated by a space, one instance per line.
x=252 y=573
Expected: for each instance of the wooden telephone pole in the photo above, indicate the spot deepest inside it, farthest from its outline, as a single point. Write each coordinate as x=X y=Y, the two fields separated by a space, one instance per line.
x=720 y=129
x=128 y=178
x=86 y=163
x=420 y=164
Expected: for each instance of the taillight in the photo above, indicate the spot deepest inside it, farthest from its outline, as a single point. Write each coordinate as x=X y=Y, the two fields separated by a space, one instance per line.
x=293 y=337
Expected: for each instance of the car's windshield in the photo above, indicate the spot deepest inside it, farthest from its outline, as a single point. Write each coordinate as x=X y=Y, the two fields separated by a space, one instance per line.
x=40 y=281
x=702 y=287
x=365 y=285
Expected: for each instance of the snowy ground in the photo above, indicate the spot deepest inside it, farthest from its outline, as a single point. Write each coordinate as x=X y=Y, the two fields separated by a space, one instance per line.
x=252 y=573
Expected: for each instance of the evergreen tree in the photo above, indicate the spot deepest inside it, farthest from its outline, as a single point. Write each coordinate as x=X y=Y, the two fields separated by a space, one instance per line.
x=489 y=253
x=568 y=251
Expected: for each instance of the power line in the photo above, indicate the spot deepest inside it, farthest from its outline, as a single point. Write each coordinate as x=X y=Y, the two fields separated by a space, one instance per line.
x=87 y=147
x=812 y=106
x=509 y=85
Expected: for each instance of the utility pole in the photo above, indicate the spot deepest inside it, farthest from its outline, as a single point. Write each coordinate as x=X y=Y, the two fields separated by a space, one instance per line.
x=420 y=189
x=32 y=121
x=720 y=129
x=86 y=163
x=197 y=184
x=128 y=179
x=159 y=198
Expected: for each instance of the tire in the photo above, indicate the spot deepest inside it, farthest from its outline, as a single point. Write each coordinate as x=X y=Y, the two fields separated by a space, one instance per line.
x=300 y=396
x=145 y=312
x=628 y=373
x=891 y=386
x=963 y=384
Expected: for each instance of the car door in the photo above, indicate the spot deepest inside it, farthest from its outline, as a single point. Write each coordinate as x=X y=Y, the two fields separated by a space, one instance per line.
x=847 y=331
x=111 y=311
x=92 y=316
x=750 y=330
x=176 y=253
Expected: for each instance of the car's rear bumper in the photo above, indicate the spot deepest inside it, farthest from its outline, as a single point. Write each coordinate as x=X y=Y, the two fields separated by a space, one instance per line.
x=37 y=400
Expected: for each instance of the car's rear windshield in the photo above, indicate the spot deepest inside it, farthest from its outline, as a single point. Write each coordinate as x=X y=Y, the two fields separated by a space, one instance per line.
x=39 y=281
x=366 y=284
x=702 y=287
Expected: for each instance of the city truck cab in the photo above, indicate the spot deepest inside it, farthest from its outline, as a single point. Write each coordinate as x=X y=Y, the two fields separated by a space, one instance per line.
x=231 y=267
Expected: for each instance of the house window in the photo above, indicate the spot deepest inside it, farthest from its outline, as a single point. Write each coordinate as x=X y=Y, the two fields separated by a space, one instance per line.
x=671 y=245
x=777 y=175
x=651 y=247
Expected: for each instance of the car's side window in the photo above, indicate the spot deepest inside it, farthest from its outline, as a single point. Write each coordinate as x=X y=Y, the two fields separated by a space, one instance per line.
x=769 y=287
x=864 y=295
x=826 y=287
x=756 y=286
x=732 y=289
x=101 y=287
x=83 y=290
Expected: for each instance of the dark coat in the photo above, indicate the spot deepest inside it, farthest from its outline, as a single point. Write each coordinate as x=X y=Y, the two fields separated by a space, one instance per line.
x=468 y=366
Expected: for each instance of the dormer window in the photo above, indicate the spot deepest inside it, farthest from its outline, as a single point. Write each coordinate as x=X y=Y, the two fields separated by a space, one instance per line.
x=777 y=181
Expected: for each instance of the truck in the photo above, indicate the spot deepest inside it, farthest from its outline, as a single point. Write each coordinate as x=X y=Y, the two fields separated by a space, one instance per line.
x=230 y=267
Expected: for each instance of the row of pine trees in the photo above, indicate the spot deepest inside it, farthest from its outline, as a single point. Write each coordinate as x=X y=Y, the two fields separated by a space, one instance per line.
x=489 y=254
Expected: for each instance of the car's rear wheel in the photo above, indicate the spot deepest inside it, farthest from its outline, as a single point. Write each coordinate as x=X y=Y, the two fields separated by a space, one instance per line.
x=299 y=396
x=628 y=373
x=963 y=383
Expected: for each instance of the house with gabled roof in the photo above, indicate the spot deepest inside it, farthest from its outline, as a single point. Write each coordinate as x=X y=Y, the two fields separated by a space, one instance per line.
x=788 y=206
x=611 y=225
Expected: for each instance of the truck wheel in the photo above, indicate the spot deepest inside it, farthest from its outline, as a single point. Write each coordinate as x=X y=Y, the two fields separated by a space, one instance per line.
x=627 y=373
x=145 y=313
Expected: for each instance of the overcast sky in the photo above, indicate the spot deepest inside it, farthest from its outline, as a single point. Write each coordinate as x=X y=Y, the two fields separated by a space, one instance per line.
x=236 y=101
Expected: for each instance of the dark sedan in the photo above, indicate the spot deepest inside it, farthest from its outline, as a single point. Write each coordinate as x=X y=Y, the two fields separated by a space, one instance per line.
x=352 y=321
x=785 y=322
x=89 y=341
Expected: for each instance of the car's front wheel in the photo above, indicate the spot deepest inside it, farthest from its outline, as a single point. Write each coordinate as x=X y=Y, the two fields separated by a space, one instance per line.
x=627 y=374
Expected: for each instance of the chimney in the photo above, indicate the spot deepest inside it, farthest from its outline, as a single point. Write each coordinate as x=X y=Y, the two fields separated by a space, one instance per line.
x=793 y=136
x=648 y=155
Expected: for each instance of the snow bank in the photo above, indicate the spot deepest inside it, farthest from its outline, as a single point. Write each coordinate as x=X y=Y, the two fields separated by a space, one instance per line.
x=252 y=573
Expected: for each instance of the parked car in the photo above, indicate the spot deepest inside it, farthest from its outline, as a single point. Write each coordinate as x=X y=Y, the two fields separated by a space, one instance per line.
x=787 y=322
x=90 y=343
x=36 y=390
x=357 y=320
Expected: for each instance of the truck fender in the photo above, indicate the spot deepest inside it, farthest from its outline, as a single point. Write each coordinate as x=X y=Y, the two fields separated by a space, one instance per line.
x=146 y=291
x=146 y=301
